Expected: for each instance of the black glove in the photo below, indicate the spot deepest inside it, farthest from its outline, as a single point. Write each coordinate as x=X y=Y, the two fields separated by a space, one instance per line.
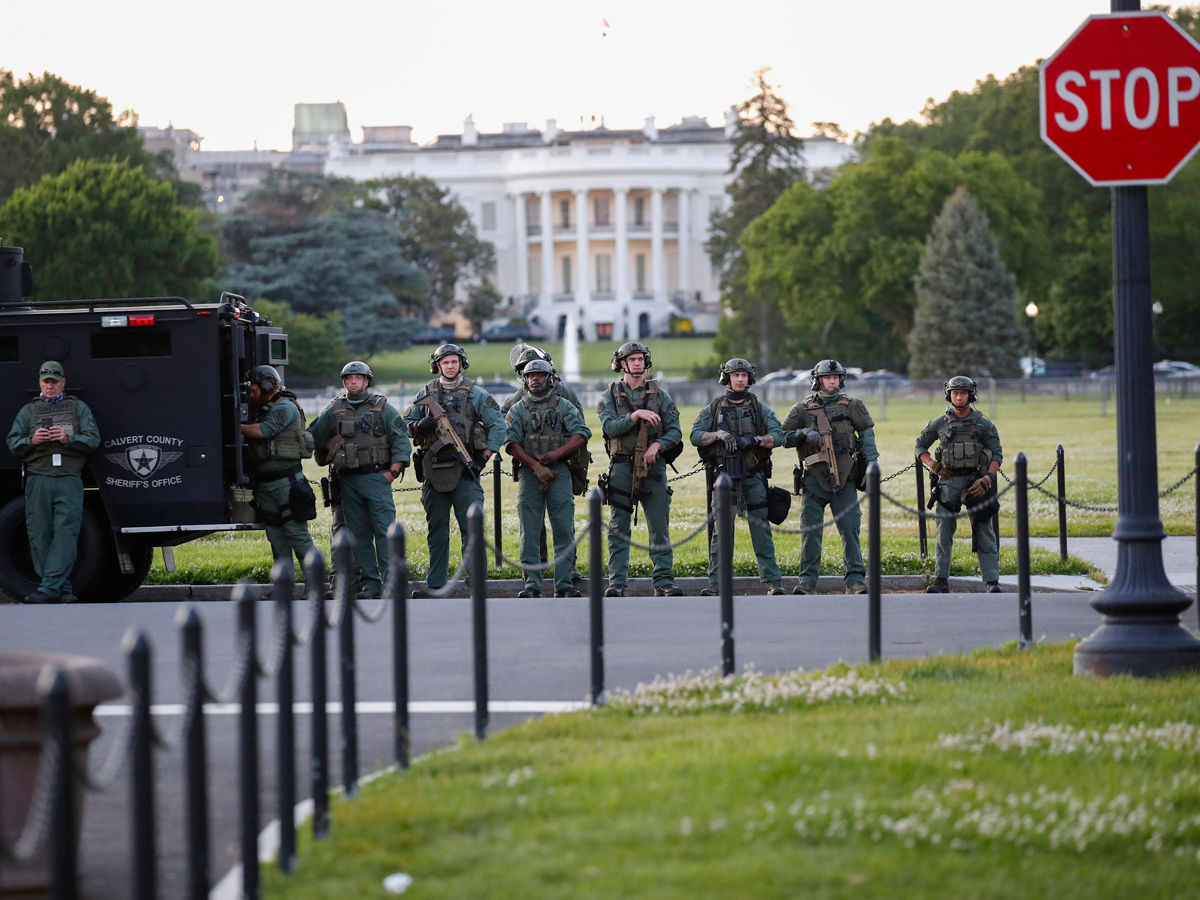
x=746 y=441
x=427 y=425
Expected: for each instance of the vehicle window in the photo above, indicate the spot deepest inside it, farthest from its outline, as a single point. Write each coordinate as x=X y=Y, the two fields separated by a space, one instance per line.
x=130 y=342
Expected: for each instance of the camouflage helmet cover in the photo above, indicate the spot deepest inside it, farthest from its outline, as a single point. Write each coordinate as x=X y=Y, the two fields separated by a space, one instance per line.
x=828 y=367
x=358 y=367
x=737 y=364
x=628 y=349
x=267 y=378
x=962 y=383
x=526 y=355
x=447 y=350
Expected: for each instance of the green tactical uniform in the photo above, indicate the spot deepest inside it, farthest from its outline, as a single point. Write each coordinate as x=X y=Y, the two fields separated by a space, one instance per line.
x=275 y=464
x=748 y=417
x=360 y=438
x=447 y=485
x=966 y=446
x=615 y=409
x=853 y=433
x=53 y=486
x=541 y=425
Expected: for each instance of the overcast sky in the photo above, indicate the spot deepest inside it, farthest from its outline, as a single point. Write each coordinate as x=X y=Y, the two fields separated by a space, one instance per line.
x=232 y=71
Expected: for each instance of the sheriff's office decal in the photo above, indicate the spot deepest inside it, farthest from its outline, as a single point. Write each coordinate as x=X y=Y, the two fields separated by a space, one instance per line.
x=143 y=456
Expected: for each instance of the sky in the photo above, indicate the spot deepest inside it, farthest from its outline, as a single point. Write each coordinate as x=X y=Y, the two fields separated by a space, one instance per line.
x=233 y=71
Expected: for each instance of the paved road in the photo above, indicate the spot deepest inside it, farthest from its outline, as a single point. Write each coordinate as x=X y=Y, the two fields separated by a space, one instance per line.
x=538 y=652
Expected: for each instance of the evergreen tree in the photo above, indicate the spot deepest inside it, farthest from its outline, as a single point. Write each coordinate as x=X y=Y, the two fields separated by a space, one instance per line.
x=765 y=160
x=965 y=321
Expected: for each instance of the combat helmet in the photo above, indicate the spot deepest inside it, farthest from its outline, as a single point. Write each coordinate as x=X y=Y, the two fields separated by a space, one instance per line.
x=267 y=378
x=358 y=367
x=628 y=349
x=737 y=364
x=961 y=383
x=828 y=367
x=447 y=350
x=537 y=365
x=524 y=353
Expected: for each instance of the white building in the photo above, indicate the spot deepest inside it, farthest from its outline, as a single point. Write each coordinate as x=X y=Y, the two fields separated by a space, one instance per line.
x=603 y=227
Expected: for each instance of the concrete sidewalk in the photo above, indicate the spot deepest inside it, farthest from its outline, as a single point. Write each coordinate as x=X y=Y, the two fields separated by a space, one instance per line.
x=1179 y=560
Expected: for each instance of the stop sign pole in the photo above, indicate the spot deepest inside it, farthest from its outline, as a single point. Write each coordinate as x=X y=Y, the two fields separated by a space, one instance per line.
x=1140 y=632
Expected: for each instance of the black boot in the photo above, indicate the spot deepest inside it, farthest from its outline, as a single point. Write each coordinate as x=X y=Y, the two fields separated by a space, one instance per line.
x=939 y=586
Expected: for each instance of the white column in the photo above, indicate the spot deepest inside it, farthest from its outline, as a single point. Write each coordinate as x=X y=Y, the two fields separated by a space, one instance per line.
x=658 y=275
x=583 y=289
x=547 y=251
x=683 y=240
x=622 y=241
x=522 y=247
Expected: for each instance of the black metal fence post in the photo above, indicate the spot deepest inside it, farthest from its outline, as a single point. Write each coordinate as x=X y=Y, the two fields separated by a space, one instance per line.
x=343 y=565
x=282 y=578
x=497 y=507
x=874 y=580
x=596 y=596
x=58 y=738
x=725 y=568
x=1062 y=503
x=142 y=836
x=314 y=580
x=1024 y=604
x=479 y=616
x=397 y=589
x=195 y=753
x=922 y=531
x=243 y=595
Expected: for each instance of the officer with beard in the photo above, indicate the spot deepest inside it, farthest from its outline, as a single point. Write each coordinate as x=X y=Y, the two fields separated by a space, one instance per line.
x=826 y=419
x=544 y=429
x=966 y=461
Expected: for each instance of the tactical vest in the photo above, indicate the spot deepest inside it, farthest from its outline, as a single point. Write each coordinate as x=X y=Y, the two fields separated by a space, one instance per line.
x=42 y=414
x=627 y=442
x=456 y=402
x=745 y=418
x=845 y=436
x=285 y=449
x=545 y=429
x=360 y=442
x=960 y=448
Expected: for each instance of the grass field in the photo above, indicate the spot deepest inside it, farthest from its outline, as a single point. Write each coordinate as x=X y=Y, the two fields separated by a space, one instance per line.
x=993 y=775
x=1034 y=427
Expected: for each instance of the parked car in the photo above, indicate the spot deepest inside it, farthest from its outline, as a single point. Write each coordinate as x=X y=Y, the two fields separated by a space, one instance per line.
x=501 y=390
x=508 y=334
x=884 y=376
x=439 y=334
x=783 y=376
x=1173 y=368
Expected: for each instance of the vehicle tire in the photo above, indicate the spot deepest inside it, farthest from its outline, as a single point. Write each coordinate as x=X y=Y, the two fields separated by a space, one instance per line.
x=17 y=577
x=117 y=585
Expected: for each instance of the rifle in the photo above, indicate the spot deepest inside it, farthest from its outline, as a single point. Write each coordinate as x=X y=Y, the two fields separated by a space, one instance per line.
x=827 y=451
x=935 y=490
x=447 y=436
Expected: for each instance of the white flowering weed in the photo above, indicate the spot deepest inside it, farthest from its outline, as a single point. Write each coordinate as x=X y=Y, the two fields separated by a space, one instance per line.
x=1120 y=741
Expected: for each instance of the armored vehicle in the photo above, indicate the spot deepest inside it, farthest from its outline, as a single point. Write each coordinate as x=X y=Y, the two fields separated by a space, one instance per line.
x=166 y=380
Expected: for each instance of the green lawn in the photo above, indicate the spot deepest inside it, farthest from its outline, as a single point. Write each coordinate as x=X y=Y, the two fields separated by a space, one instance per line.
x=1035 y=427
x=993 y=775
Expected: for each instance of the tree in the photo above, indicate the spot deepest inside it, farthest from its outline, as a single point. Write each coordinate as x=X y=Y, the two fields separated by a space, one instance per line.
x=107 y=229
x=765 y=160
x=46 y=124
x=315 y=343
x=436 y=233
x=344 y=261
x=965 y=318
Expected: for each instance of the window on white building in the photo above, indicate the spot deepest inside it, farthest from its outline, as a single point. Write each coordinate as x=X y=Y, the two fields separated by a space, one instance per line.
x=564 y=207
x=487 y=216
x=603 y=273
x=602 y=212
x=535 y=275
x=566 y=274
x=639 y=273
x=639 y=210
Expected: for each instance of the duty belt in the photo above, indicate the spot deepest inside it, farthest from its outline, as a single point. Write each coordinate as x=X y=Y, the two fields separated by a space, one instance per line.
x=364 y=470
x=622 y=457
x=289 y=473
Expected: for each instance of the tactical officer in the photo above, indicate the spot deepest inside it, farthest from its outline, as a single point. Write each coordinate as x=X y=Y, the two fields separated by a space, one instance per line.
x=277 y=443
x=457 y=427
x=544 y=430
x=834 y=437
x=735 y=434
x=52 y=436
x=965 y=464
x=361 y=438
x=641 y=430
x=521 y=355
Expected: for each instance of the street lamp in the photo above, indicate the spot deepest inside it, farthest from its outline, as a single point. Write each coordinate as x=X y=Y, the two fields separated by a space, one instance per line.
x=1031 y=310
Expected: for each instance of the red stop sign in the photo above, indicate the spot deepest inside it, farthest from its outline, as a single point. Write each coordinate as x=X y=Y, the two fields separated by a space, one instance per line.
x=1120 y=100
